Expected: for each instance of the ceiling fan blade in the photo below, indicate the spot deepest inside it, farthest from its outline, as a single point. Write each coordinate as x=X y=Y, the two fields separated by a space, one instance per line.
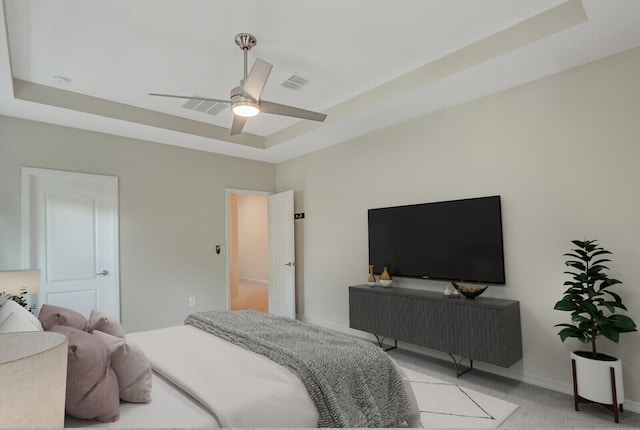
x=278 y=109
x=238 y=123
x=257 y=78
x=206 y=99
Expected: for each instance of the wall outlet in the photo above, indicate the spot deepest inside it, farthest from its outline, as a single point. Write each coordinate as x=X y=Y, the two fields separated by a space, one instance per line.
x=193 y=301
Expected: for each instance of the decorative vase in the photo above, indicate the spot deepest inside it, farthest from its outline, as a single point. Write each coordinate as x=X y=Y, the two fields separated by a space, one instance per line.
x=385 y=277
x=372 y=279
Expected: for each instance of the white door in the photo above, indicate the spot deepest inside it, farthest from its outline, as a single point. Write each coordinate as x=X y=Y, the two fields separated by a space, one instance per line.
x=70 y=224
x=282 y=271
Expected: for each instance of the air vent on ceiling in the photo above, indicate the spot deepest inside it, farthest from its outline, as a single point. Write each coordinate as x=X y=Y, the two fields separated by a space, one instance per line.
x=212 y=108
x=295 y=82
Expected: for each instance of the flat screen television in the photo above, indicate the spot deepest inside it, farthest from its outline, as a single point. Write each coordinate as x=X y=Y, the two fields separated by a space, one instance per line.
x=458 y=240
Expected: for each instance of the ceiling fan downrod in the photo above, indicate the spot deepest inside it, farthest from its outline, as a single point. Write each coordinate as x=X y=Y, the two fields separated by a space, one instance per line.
x=245 y=41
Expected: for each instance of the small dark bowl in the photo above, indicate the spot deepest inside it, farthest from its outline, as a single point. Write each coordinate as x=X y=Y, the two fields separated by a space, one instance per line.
x=469 y=294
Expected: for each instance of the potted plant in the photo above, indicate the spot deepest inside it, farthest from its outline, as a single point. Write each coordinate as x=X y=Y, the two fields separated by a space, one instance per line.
x=597 y=376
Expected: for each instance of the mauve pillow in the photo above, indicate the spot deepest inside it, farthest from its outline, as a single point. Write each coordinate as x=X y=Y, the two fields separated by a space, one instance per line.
x=51 y=315
x=92 y=385
x=131 y=366
x=105 y=323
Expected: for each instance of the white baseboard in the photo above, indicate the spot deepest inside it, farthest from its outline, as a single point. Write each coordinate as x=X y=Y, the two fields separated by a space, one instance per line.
x=533 y=380
x=255 y=281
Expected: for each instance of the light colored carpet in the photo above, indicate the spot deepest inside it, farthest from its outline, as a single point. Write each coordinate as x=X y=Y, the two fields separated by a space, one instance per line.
x=446 y=405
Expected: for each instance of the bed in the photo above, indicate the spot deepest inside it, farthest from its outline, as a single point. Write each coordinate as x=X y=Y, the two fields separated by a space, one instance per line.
x=233 y=374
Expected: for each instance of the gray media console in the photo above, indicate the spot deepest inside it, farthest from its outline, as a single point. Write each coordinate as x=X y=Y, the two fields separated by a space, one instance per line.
x=483 y=329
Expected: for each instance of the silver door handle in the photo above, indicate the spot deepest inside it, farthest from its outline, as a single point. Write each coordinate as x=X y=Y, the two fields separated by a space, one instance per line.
x=103 y=273
x=291 y=263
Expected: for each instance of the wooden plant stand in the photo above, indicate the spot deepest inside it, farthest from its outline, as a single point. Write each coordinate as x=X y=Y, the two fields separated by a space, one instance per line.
x=578 y=399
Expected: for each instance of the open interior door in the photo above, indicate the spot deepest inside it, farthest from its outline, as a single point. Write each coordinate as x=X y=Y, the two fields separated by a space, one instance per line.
x=282 y=270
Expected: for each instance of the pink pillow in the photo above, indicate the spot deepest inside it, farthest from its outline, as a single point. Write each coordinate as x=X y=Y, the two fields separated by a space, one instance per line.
x=131 y=366
x=92 y=385
x=105 y=323
x=51 y=315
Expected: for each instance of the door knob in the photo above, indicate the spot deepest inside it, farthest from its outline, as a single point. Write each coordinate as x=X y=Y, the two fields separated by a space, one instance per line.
x=103 y=273
x=291 y=263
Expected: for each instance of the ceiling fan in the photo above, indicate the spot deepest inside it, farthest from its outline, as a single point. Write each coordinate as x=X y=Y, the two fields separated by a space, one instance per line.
x=245 y=99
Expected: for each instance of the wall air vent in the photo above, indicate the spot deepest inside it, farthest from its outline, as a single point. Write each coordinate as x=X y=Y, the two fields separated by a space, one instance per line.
x=295 y=82
x=212 y=108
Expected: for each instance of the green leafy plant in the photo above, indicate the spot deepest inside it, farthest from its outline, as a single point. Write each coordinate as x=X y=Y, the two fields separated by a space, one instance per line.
x=19 y=299
x=588 y=297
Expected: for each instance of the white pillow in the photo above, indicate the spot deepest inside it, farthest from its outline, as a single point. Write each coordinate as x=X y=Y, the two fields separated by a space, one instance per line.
x=12 y=308
x=16 y=323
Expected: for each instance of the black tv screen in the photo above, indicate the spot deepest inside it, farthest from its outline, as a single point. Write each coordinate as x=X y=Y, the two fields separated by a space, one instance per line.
x=459 y=240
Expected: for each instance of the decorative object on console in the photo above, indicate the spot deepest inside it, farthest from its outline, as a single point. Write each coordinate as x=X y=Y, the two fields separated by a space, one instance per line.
x=469 y=292
x=446 y=292
x=33 y=374
x=597 y=377
x=455 y=294
x=385 y=277
x=15 y=284
x=372 y=279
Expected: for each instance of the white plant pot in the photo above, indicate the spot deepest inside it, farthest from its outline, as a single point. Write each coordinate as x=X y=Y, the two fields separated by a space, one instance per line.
x=593 y=378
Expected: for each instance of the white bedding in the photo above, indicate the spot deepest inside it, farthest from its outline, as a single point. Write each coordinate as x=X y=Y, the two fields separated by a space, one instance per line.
x=224 y=386
x=241 y=388
x=170 y=407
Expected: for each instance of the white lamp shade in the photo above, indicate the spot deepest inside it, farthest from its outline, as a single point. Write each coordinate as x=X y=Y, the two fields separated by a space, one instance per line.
x=33 y=379
x=16 y=282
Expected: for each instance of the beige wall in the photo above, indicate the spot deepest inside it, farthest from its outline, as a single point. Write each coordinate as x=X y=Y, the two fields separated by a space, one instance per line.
x=562 y=152
x=172 y=212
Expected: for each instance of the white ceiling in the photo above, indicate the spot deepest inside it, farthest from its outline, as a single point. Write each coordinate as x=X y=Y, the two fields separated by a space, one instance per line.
x=371 y=63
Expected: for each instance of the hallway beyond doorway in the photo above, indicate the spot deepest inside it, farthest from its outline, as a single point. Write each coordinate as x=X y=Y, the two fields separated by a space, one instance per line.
x=251 y=295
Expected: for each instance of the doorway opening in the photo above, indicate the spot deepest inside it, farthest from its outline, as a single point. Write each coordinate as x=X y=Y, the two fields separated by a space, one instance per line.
x=249 y=251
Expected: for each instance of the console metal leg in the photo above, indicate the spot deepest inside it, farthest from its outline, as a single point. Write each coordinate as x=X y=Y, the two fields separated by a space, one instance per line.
x=381 y=340
x=457 y=364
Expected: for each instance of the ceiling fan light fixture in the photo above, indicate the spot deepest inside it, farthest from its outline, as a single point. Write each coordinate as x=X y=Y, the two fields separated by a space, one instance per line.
x=245 y=109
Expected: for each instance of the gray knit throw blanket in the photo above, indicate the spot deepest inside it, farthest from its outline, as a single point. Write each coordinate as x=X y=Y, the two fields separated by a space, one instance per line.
x=352 y=383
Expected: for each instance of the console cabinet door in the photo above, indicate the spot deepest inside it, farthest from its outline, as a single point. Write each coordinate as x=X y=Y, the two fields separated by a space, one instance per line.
x=491 y=335
x=365 y=311
x=381 y=314
x=433 y=326
x=478 y=333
